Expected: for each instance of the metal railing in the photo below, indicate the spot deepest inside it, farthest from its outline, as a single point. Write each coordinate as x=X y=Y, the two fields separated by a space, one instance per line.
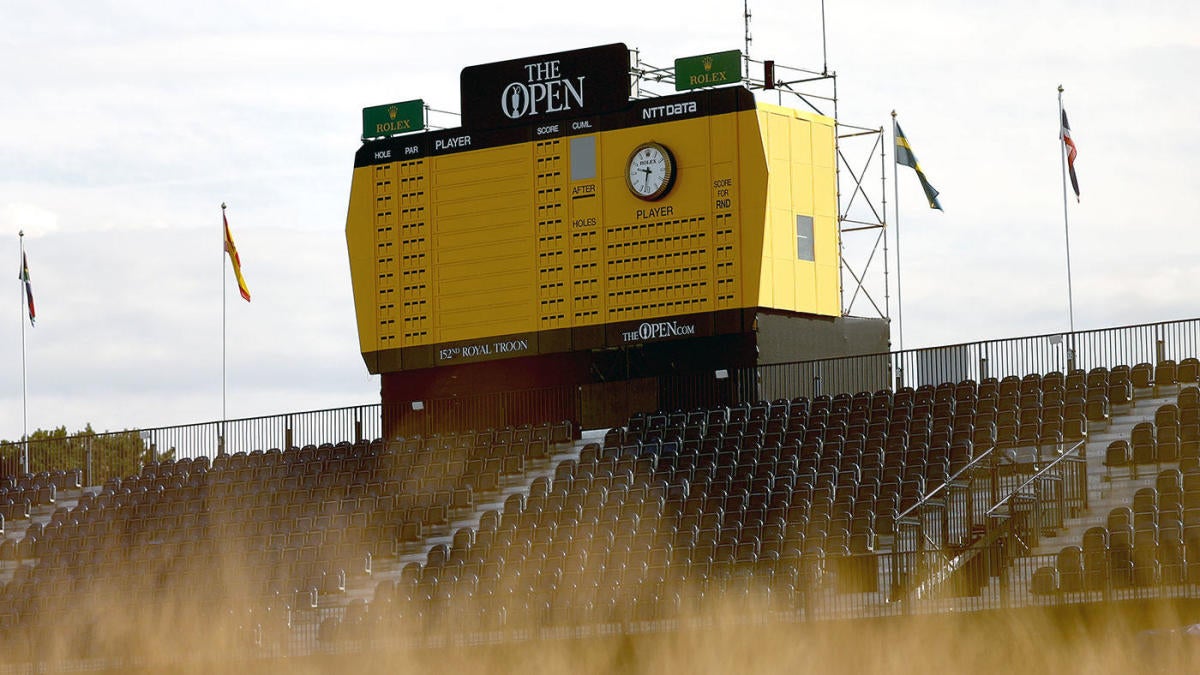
x=122 y=453
x=1000 y=358
x=1043 y=502
x=945 y=517
x=103 y=455
x=857 y=586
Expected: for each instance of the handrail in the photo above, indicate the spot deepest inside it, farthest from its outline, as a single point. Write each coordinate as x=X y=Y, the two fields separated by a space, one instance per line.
x=969 y=467
x=1064 y=456
x=992 y=534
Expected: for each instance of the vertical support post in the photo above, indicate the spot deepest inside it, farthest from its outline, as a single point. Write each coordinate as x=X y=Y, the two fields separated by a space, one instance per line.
x=1005 y=582
x=26 y=296
x=1066 y=226
x=89 y=477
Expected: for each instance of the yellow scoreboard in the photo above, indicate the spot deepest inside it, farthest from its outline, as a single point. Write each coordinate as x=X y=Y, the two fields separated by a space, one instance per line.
x=563 y=216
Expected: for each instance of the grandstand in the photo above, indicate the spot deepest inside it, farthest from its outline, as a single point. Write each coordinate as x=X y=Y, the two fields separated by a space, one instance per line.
x=754 y=483
x=1037 y=490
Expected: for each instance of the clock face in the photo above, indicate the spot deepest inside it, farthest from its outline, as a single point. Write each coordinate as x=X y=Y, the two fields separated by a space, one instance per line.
x=651 y=171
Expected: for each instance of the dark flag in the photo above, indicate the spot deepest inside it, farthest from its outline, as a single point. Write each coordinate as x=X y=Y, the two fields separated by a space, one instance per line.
x=24 y=276
x=1071 y=152
x=905 y=156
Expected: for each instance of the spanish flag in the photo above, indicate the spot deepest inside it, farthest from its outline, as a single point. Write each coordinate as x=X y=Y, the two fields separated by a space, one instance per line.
x=905 y=156
x=233 y=258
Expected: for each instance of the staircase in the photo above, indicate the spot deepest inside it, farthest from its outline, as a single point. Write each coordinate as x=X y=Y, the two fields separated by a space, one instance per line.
x=1110 y=488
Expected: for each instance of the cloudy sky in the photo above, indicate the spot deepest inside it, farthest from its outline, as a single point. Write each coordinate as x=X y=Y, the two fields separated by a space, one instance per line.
x=125 y=124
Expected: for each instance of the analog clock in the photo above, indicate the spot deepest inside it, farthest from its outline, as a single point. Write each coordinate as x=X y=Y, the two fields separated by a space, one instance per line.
x=651 y=171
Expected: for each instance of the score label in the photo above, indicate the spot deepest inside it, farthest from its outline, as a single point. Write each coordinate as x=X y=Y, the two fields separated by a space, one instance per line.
x=722 y=194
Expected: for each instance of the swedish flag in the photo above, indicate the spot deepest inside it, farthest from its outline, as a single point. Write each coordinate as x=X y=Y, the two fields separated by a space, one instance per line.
x=905 y=156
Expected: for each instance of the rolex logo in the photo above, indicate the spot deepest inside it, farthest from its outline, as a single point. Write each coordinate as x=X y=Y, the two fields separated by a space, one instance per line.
x=712 y=72
x=392 y=119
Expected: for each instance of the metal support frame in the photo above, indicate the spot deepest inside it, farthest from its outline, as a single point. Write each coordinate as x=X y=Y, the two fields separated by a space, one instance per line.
x=862 y=212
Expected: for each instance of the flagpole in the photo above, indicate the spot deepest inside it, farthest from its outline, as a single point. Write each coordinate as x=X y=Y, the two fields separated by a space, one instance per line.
x=887 y=281
x=24 y=392
x=221 y=436
x=896 y=206
x=1066 y=227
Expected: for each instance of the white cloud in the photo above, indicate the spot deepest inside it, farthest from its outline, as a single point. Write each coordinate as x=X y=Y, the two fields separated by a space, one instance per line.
x=32 y=219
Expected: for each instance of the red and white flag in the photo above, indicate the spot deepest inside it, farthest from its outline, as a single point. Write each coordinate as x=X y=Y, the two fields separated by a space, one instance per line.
x=24 y=277
x=1071 y=152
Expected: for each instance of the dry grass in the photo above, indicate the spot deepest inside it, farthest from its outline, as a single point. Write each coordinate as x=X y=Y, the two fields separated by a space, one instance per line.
x=181 y=628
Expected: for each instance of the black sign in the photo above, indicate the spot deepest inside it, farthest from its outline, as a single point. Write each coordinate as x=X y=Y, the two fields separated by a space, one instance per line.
x=629 y=114
x=535 y=89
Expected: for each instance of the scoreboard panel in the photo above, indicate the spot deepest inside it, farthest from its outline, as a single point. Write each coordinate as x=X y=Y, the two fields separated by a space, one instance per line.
x=524 y=235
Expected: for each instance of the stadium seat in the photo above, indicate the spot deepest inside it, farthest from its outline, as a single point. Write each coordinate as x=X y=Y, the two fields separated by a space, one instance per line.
x=1143 y=443
x=1191 y=543
x=1045 y=581
x=1142 y=376
x=1147 y=570
x=1069 y=563
x=1096 y=407
x=1145 y=507
x=1097 y=376
x=410 y=531
x=1120 y=546
x=988 y=387
x=1119 y=373
x=1172 y=553
x=1074 y=422
x=1169 y=481
x=1166 y=415
x=1118 y=453
x=1120 y=393
x=1164 y=376
x=1166 y=439
x=1188 y=371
